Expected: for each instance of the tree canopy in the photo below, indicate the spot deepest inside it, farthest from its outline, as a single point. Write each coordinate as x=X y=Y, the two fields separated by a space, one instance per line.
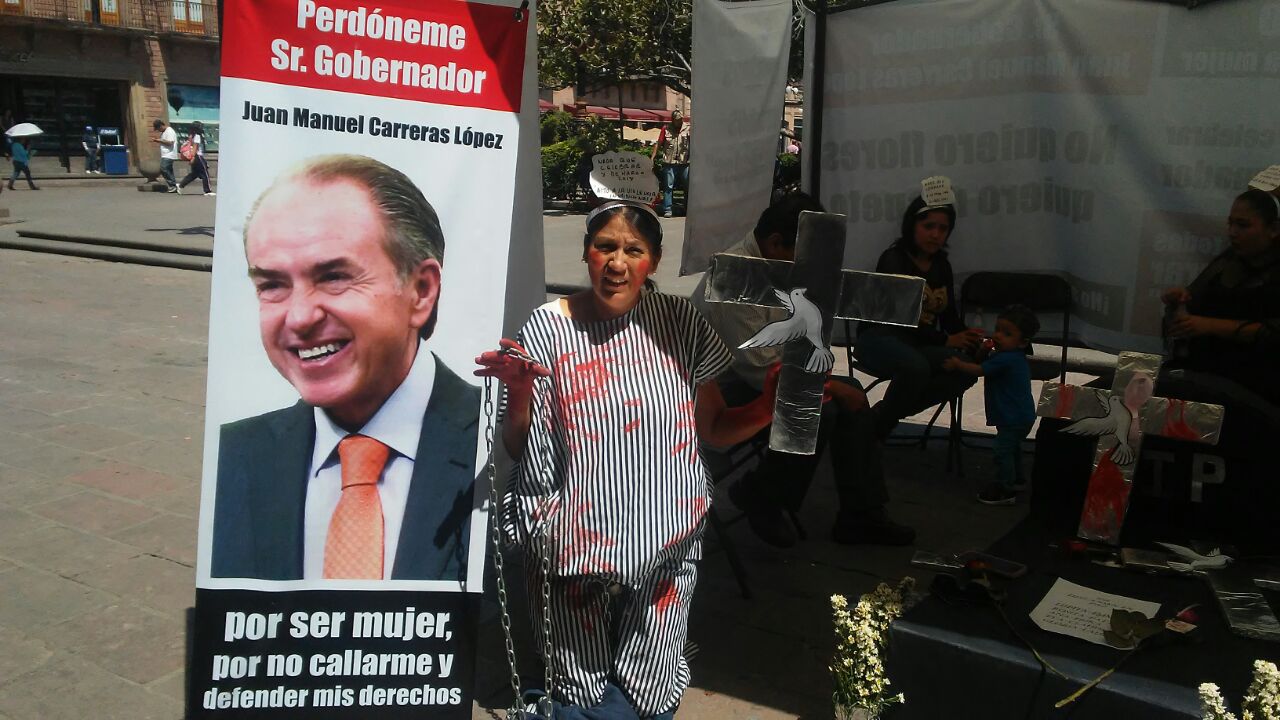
x=592 y=44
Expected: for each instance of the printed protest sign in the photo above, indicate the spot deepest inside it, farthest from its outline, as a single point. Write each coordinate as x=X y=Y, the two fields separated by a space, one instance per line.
x=367 y=180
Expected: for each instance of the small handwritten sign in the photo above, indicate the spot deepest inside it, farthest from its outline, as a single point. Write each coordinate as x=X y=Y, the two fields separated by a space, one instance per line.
x=1267 y=180
x=623 y=176
x=937 y=191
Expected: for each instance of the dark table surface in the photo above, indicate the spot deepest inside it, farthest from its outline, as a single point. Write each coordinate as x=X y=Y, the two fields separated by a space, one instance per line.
x=957 y=658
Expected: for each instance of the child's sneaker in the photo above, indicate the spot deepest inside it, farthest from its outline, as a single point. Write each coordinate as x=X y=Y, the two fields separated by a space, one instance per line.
x=996 y=494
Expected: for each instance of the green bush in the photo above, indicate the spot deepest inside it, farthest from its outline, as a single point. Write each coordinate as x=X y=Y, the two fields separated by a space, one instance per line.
x=788 y=170
x=556 y=126
x=573 y=142
x=560 y=163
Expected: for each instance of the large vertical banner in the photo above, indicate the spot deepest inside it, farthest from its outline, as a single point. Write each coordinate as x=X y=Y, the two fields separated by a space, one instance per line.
x=1102 y=140
x=366 y=197
x=740 y=52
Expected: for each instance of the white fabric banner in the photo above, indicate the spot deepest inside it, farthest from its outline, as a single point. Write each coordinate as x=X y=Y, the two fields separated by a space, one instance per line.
x=740 y=52
x=1102 y=140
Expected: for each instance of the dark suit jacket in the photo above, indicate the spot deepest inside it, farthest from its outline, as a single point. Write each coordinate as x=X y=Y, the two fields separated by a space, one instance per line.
x=263 y=463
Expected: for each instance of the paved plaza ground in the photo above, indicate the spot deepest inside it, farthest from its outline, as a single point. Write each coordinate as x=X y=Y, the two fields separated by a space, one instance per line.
x=102 y=386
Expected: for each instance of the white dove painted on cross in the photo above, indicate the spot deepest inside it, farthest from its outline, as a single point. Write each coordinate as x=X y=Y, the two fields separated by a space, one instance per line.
x=819 y=292
x=804 y=321
x=1119 y=418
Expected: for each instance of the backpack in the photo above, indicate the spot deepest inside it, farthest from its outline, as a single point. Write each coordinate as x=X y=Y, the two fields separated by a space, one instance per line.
x=188 y=150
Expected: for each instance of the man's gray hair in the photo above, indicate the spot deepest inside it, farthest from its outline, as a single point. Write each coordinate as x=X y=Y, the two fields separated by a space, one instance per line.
x=411 y=227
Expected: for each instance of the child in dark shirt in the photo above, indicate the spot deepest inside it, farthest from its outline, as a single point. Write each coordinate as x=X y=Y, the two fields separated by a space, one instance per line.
x=1010 y=407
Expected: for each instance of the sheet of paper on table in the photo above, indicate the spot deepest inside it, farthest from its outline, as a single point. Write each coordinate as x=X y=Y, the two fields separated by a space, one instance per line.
x=1085 y=613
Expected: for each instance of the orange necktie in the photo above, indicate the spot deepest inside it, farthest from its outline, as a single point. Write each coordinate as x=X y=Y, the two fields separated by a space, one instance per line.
x=353 y=549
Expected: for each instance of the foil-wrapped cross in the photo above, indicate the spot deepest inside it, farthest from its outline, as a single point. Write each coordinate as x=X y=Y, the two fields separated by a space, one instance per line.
x=816 y=291
x=1119 y=418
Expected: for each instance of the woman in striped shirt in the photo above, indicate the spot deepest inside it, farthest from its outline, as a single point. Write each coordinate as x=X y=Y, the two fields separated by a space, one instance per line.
x=608 y=467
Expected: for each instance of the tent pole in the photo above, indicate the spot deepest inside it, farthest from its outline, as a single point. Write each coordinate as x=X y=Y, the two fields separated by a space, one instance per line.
x=819 y=81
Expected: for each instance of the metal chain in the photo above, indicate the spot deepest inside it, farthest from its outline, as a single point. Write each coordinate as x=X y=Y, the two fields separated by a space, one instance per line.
x=548 y=491
x=495 y=536
x=544 y=706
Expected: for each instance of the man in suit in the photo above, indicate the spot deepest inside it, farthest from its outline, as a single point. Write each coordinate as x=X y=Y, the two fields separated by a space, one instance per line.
x=370 y=475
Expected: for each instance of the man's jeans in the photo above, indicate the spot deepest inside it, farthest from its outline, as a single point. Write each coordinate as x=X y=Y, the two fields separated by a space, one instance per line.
x=670 y=175
x=166 y=171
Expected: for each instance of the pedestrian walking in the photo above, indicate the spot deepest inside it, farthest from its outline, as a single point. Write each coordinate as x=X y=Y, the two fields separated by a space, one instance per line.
x=168 y=141
x=199 y=167
x=89 y=142
x=21 y=162
x=672 y=152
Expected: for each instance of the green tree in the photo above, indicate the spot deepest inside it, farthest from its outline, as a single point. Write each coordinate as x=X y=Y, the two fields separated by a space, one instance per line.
x=594 y=44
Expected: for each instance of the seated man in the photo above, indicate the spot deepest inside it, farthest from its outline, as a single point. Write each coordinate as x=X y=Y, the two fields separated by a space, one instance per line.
x=782 y=479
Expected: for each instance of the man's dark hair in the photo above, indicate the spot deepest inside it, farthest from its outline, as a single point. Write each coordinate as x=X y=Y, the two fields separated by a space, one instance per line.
x=1022 y=318
x=412 y=228
x=783 y=216
x=157 y=124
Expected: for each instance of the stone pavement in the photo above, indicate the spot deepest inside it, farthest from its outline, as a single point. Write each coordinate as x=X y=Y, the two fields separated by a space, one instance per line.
x=101 y=413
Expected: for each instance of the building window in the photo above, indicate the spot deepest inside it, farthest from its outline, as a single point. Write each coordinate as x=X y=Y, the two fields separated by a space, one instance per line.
x=189 y=103
x=108 y=11
x=797 y=126
x=188 y=16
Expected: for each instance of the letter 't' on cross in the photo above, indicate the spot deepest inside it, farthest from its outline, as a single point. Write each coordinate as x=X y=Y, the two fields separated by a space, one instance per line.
x=815 y=291
x=1119 y=418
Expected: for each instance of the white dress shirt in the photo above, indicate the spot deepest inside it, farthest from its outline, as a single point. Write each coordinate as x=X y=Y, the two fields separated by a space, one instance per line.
x=398 y=425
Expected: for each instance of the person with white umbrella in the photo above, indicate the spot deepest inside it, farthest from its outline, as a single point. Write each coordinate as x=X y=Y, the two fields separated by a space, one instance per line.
x=19 y=135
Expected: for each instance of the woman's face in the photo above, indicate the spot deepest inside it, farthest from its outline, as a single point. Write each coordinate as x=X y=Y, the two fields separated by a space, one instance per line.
x=1250 y=236
x=932 y=230
x=619 y=260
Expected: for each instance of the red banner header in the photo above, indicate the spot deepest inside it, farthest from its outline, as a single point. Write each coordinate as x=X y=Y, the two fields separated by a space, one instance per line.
x=445 y=52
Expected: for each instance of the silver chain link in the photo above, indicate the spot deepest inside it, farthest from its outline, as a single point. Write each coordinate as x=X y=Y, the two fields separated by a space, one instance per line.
x=495 y=536
x=544 y=706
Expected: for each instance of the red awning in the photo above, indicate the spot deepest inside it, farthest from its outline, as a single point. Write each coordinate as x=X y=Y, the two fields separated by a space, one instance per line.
x=544 y=106
x=632 y=114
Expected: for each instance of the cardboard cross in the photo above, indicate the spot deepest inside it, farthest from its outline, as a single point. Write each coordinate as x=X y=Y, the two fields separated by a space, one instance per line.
x=1119 y=418
x=816 y=291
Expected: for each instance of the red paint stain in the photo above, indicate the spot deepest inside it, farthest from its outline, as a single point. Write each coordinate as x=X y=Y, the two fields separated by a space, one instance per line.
x=665 y=597
x=687 y=430
x=1066 y=401
x=579 y=542
x=1175 y=422
x=582 y=600
x=1106 y=501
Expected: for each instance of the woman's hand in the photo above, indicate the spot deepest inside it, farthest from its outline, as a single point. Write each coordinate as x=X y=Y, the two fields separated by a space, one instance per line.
x=1191 y=326
x=965 y=339
x=513 y=370
x=518 y=373
x=1175 y=296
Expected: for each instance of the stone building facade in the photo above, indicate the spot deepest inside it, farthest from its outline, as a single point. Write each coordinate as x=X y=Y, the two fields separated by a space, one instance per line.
x=68 y=64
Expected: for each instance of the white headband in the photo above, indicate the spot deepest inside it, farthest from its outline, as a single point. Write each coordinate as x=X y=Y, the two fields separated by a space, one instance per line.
x=611 y=204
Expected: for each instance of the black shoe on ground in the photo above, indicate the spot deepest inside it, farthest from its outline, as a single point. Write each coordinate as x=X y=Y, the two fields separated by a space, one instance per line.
x=996 y=494
x=766 y=519
x=872 y=529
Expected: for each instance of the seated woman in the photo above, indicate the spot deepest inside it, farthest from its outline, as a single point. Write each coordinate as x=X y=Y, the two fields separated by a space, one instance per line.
x=1226 y=323
x=912 y=357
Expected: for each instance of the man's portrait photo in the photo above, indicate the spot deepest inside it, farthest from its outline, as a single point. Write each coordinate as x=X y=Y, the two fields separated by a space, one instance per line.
x=370 y=475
